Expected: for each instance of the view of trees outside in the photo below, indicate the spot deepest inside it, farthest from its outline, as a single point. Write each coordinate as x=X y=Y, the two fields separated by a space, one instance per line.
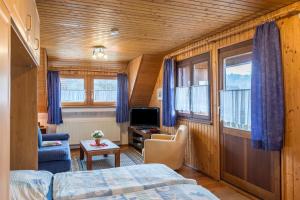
x=238 y=77
x=105 y=90
x=72 y=90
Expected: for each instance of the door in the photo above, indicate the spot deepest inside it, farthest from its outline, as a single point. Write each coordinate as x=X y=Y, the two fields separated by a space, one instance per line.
x=255 y=171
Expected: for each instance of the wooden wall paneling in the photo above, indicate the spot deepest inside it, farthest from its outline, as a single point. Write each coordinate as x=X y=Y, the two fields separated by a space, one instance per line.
x=154 y=101
x=132 y=71
x=290 y=33
x=23 y=124
x=86 y=65
x=4 y=101
x=42 y=83
x=146 y=75
x=209 y=134
x=71 y=72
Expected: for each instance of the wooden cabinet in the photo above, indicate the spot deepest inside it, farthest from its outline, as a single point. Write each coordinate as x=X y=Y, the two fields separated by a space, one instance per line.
x=18 y=79
x=136 y=137
x=26 y=19
x=4 y=101
x=36 y=39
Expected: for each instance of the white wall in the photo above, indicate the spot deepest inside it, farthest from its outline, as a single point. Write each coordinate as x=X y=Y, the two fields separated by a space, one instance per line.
x=85 y=120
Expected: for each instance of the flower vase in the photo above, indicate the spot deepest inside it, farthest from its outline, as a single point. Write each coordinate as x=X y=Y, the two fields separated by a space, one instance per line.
x=98 y=141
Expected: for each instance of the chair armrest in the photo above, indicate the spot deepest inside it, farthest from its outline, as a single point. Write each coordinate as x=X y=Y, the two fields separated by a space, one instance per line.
x=55 y=136
x=162 y=136
x=46 y=155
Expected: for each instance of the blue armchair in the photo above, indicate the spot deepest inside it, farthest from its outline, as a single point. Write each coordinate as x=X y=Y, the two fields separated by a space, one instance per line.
x=54 y=158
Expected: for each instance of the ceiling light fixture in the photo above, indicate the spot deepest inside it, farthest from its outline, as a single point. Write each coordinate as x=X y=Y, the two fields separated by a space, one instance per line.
x=98 y=52
x=114 y=32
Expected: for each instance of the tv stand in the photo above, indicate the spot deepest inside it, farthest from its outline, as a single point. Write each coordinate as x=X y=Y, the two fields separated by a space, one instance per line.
x=137 y=136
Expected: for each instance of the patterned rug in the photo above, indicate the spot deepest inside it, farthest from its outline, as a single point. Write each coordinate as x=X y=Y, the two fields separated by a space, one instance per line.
x=128 y=157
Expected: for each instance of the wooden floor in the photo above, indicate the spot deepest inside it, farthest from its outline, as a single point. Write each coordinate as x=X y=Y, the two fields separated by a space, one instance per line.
x=220 y=189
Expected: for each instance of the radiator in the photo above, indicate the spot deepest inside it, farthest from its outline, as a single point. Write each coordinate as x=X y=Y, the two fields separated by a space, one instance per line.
x=81 y=128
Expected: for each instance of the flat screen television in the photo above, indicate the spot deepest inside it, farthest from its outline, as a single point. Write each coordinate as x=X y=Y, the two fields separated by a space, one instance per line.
x=146 y=117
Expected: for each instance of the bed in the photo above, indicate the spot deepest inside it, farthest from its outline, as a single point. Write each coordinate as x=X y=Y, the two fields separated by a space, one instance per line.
x=136 y=181
x=173 y=192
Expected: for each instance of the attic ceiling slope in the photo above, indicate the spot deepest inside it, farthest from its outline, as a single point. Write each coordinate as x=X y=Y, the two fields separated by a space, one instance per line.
x=69 y=29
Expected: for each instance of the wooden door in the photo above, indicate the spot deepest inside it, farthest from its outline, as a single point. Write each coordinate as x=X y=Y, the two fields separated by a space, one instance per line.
x=4 y=101
x=255 y=171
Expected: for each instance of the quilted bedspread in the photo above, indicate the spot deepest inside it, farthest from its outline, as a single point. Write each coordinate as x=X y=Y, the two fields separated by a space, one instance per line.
x=115 y=181
x=173 y=192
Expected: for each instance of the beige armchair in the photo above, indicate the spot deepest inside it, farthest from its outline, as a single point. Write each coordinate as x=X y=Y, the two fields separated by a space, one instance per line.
x=166 y=149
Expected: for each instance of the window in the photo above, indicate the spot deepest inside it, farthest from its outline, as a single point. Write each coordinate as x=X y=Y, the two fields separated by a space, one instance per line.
x=105 y=90
x=200 y=89
x=72 y=90
x=235 y=97
x=182 y=101
x=88 y=91
x=192 y=87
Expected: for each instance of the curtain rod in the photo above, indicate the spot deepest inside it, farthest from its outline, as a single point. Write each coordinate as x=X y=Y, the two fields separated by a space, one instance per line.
x=275 y=17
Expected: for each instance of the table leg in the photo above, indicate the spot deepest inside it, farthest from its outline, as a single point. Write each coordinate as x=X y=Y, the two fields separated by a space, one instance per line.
x=81 y=153
x=89 y=162
x=117 y=159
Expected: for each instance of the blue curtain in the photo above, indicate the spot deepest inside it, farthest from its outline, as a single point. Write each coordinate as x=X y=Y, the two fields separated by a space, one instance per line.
x=267 y=98
x=169 y=113
x=54 y=104
x=122 y=111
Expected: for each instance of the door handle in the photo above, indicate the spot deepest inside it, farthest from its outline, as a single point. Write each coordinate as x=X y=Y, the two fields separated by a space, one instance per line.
x=28 y=23
x=37 y=44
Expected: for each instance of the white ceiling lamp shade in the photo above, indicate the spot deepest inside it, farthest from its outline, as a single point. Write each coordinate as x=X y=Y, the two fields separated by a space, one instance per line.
x=99 y=53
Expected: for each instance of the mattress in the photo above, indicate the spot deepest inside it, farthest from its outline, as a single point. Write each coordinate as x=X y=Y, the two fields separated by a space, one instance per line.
x=115 y=181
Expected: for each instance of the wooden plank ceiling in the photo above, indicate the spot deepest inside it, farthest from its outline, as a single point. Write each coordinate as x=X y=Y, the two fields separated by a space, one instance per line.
x=70 y=28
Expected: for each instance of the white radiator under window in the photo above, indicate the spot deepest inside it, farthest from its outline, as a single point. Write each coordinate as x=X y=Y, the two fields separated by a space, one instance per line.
x=81 y=128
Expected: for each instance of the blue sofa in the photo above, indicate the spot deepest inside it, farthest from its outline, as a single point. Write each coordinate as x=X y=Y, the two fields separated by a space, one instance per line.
x=54 y=158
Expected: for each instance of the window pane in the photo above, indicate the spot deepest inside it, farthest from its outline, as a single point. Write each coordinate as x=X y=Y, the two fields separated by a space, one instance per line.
x=236 y=96
x=183 y=76
x=236 y=109
x=72 y=90
x=105 y=90
x=200 y=98
x=238 y=76
x=200 y=73
x=182 y=99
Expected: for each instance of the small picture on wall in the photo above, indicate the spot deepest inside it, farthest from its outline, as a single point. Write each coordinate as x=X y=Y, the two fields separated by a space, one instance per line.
x=159 y=94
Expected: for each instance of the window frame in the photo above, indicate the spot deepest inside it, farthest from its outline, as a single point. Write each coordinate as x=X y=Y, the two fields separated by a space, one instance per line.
x=89 y=91
x=189 y=62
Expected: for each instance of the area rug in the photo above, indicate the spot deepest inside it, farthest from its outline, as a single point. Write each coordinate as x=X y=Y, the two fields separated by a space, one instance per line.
x=128 y=157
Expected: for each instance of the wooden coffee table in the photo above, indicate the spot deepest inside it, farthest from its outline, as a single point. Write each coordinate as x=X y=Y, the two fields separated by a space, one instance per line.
x=90 y=151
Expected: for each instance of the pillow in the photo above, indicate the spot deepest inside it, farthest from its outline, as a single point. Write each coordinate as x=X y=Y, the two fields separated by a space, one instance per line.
x=30 y=184
x=51 y=143
x=40 y=138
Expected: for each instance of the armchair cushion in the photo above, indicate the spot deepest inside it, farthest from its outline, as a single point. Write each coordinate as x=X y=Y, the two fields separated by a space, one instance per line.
x=54 y=153
x=162 y=136
x=55 y=136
